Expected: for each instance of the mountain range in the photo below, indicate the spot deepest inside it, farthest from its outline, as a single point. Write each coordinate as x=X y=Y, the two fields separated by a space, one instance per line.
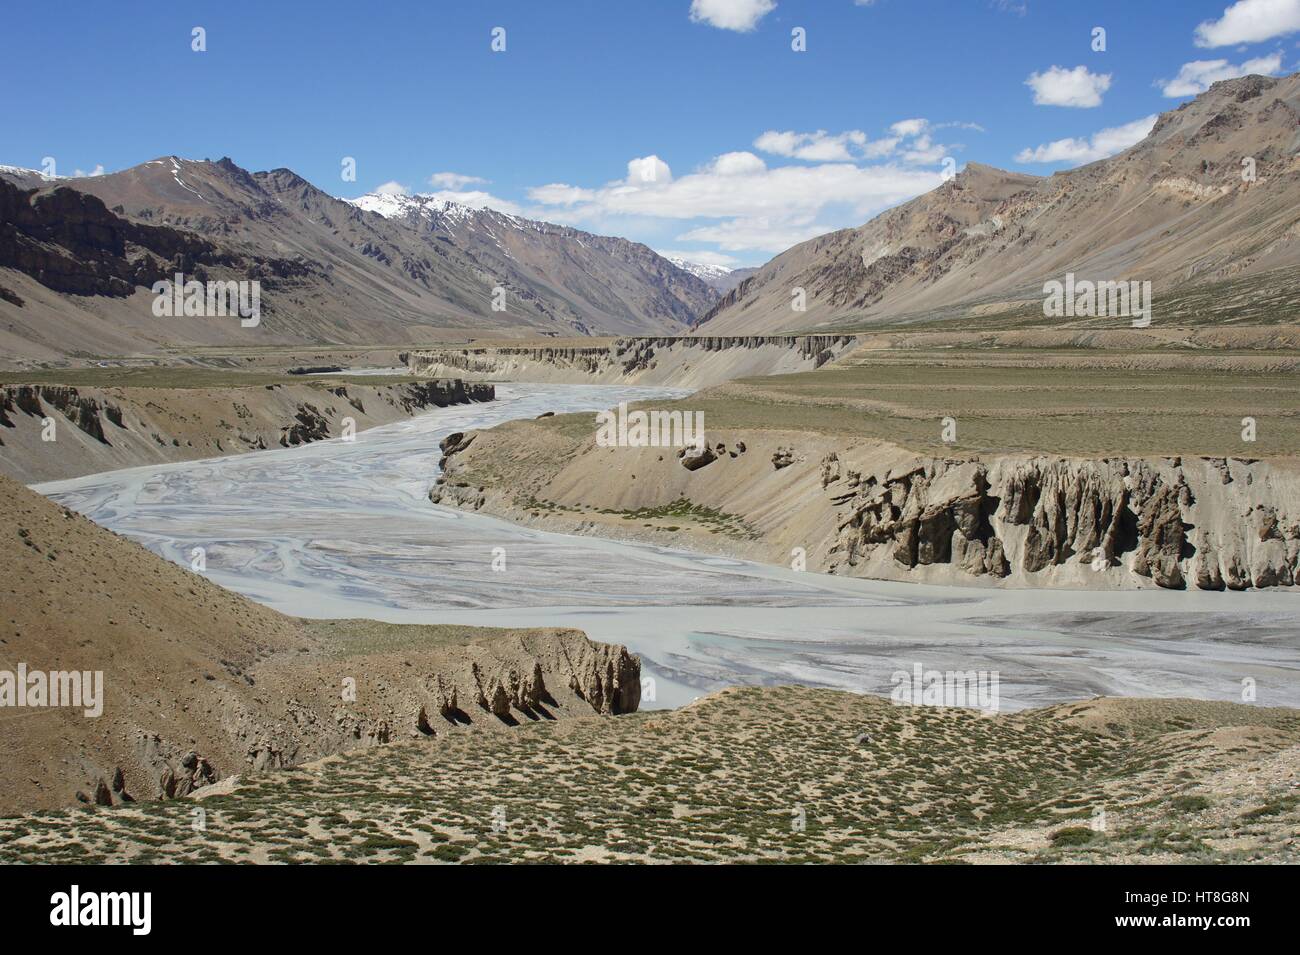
x=1208 y=200
x=78 y=257
x=1209 y=197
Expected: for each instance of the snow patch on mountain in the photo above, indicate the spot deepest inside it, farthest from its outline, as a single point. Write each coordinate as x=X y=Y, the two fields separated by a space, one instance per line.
x=419 y=207
x=700 y=270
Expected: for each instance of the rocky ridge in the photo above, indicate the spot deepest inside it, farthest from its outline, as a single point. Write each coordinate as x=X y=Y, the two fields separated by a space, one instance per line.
x=671 y=360
x=876 y=510
x=125 y=426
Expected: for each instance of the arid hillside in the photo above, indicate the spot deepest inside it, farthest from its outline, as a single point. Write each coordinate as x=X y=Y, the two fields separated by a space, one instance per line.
x=68 y=423
x=1206 y=208
x=199 y=683
x=784 y=774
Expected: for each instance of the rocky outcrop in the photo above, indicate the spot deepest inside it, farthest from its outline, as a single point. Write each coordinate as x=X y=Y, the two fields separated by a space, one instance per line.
x=86 y=413
x=308 y=425
x=1166 y=521
x=454 y=443
x=134 y=425
x=524 y=676
x=694 y=458
x=631 y=359
x=441 y=392
x=296 y=716
x=70 y=242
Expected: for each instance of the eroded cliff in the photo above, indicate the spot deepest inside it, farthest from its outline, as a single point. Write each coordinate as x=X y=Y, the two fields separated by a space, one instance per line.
x=116 y=427
x=681 y=361
x=1209 y=523
x=872 y=509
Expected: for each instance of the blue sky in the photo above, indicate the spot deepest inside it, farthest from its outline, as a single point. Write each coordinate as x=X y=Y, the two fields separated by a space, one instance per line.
x=691 y=125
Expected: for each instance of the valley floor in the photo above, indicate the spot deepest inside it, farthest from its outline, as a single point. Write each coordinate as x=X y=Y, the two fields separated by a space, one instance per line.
x=748 y=774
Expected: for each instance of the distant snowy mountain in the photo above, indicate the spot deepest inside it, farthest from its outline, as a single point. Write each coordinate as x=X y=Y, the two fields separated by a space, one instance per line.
x=411 y=207
x=717 y=277
x=380 y=269
x=593 y=284
x=700 y=269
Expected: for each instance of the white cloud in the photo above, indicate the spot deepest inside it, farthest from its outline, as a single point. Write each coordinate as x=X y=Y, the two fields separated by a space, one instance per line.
x=1250 y=21
x=909 y=139
x=880 y=148
x=1196 y=77
x=648 y=171
x=1102 y=144
x=909 y=127
x=1061 y=87
x=925 y=153
x=761 y=208
x=453 y=180
x=820 y=146
x=762 y=233
x=737 y=164
x=82 y=174
x=558 y=194
x=392 y=188
x=739 y=15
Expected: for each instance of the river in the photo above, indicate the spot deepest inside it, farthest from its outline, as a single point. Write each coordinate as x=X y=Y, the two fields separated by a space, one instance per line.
x=345 y=529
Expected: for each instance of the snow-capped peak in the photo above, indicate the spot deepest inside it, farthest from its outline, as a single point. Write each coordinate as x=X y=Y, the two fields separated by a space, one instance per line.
x=392 y=206
x=700 y=270
x=22 y=172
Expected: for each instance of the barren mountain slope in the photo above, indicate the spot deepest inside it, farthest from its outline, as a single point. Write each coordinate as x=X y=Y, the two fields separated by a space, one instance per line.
x=591 y=283
x=1175 y=209
x=77 y=258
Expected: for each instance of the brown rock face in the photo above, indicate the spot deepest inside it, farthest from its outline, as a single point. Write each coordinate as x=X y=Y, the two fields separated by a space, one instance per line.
x=1070 y=511
x=1161 y=539
x=929 y=515
x=82 y=411
x=1019 y=517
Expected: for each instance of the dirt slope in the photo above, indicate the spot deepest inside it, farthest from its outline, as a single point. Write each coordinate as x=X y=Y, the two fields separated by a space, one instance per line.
x=200 y=683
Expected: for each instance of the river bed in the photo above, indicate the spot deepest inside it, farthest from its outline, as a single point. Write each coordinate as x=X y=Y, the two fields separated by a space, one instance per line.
x=345 y=529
